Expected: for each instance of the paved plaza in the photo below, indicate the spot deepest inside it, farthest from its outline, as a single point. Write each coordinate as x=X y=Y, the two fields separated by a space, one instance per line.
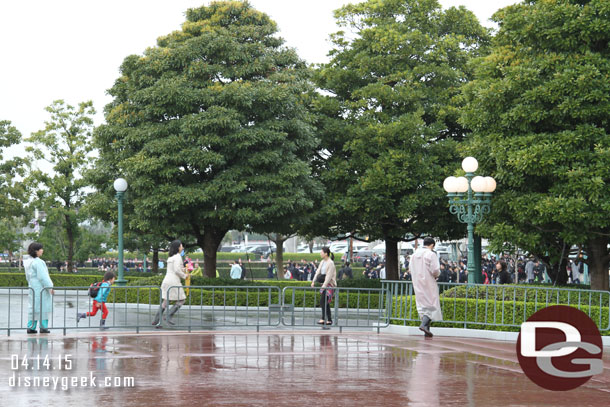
x=274 y=368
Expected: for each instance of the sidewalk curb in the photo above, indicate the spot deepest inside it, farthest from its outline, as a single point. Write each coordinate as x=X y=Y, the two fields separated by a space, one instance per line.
x=465 y=333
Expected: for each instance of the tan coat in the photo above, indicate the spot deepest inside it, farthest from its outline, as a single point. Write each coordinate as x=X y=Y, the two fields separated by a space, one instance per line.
x=331 y=274
x=174 y=273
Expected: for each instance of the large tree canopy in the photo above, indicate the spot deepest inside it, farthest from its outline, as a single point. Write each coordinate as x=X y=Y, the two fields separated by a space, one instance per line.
x=210 y=129
x=540 y=112
x=389 y=123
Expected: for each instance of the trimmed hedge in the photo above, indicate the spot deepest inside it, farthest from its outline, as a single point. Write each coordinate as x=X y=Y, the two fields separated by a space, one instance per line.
x=242 y=297
x=59 y=280
x=355 y=283
x=481 y=314
x=520 y=293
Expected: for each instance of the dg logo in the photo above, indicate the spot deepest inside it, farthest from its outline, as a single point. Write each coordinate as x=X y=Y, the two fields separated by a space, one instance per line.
x=560 y=348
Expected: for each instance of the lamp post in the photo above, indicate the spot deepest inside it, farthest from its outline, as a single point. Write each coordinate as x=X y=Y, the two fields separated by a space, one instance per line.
x=120 y=186
x=470 y=200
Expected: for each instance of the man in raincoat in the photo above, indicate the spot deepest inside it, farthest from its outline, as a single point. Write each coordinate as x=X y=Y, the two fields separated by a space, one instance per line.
x=40 y=301
x=425 y=268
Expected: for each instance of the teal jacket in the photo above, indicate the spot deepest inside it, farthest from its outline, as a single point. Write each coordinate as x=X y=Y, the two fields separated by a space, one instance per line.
x=103 y=292
x=39 y=299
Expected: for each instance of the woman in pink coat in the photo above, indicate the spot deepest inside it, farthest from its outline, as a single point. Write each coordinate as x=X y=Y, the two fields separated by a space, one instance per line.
x=425 y=268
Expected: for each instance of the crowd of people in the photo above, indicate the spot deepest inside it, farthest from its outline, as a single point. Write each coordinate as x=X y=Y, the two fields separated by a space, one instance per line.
x=494 y=269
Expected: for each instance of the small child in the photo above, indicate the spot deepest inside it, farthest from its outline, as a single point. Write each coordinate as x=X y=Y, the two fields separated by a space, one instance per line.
x=100 y=301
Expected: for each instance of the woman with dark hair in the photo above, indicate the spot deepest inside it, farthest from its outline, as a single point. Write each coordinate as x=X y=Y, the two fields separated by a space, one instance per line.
x=40 y=300
x=503 y=275
x=175 y=272
x=326 y=275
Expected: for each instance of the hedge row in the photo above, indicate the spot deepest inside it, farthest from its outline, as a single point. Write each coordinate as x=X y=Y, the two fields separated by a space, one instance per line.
x=356 y=283
x=529 y=293
x=241 y=297
x=482 y=314
x=59 y=280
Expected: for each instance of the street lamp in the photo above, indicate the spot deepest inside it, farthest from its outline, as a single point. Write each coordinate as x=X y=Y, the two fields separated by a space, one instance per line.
x=120 y=186
x=470 y=200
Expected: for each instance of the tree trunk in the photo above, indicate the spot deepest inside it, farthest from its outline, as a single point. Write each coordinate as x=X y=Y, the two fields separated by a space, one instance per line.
x=279 y=255
x=211 y=240
x=311 y=246
x=391 y=259
x=598 y=261
x=70 y=235
x=557 y=272
x=155 y=261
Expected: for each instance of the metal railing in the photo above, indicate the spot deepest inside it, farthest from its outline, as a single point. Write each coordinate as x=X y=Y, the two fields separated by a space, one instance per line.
x=208 y=307
x=12 y=298
x=129 y=307
x=478 y=305
x=227 y=306
x=350 y=307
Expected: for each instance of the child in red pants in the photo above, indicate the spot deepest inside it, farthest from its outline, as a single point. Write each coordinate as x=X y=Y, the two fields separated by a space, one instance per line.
x=100 y=300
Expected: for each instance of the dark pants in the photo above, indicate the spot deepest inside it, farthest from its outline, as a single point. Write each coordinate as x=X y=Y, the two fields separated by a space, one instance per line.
x=325 y=305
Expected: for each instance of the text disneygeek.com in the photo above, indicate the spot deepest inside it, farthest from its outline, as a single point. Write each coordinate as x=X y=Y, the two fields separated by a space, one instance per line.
x=69 y=382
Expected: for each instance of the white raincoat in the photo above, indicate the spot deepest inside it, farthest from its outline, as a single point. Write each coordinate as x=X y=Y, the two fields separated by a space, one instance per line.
x=425 y=267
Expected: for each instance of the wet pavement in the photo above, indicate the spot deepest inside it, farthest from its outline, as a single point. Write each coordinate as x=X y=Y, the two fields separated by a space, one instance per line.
x=274 y=368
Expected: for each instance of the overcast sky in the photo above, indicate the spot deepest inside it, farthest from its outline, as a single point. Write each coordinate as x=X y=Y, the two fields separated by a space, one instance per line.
x=72 y=49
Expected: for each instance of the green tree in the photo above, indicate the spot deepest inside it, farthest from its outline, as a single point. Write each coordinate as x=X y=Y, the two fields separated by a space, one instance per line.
x=65 y=144
x=389 y=126
x=210 y=129
x=540 y=112
x=54 y=237
x=14 y=193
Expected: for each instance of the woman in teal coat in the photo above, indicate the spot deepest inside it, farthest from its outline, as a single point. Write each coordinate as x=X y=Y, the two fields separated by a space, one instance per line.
x=38 y=278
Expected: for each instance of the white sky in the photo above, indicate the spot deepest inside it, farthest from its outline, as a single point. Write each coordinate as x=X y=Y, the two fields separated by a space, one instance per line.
x=72 y=49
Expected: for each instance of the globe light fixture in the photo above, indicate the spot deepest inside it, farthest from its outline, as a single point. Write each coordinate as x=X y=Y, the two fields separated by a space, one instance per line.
x=450 y=185
x=470 y=164
x=120 y=185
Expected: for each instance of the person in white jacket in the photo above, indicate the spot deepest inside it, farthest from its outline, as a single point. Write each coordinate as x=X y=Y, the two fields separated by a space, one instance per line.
x=425 y=268
x=235 y=271
x=171 y=287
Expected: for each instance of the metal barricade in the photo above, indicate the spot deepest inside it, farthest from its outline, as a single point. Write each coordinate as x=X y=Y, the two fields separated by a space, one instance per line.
x=15 y=300
x=480 y=305
x=129 y=307
x=224 y=306
x=350 y=307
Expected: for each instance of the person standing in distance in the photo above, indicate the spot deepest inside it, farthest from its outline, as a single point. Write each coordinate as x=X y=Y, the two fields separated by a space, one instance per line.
x=326 y=274
x=425 y=268
x=40 y=302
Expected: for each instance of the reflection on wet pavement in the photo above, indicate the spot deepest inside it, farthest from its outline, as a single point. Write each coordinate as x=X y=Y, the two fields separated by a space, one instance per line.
x=276 y=368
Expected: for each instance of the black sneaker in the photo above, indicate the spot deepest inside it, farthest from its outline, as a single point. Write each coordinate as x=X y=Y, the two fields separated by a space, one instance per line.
x=44 y=331
x=32 y=331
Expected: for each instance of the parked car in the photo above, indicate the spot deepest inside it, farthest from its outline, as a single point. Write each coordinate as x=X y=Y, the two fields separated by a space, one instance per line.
x=262 y=250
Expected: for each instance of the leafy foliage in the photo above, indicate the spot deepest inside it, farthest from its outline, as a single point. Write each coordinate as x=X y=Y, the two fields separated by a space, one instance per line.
x=210 y=129
x=540 y=110
x=64 y=143
x=389 y=124
x=13 y=193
